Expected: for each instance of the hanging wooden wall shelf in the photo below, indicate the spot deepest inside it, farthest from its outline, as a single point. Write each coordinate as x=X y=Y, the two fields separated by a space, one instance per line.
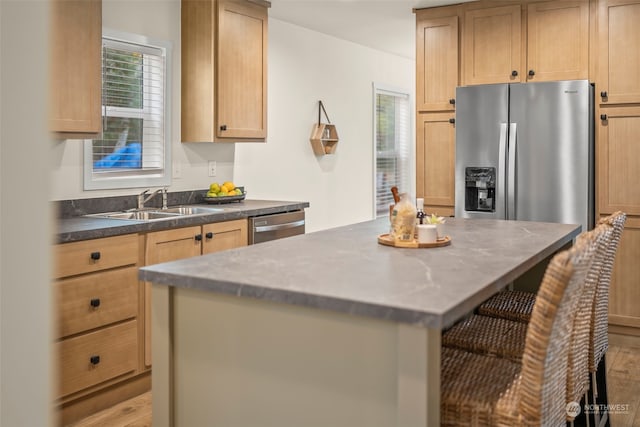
x=324 y=136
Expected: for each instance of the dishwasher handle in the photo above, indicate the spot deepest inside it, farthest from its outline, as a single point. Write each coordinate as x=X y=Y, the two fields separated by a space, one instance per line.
x=276 y=227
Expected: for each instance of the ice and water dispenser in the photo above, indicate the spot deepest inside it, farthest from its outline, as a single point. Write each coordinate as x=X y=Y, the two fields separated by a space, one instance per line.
x=480 y=189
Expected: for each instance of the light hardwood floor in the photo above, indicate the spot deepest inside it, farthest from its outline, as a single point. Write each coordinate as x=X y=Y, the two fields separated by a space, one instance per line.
x=135 y=412
x=623 y=383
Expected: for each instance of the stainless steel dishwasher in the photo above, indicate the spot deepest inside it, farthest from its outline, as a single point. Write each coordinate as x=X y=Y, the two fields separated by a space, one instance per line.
x=275 y=226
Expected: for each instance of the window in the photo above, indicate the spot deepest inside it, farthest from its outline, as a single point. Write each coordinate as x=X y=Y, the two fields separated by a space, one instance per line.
x=134 y=149
x=393 y=148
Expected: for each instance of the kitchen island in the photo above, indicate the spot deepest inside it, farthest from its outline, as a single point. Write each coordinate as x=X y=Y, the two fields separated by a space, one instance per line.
x=328 y=328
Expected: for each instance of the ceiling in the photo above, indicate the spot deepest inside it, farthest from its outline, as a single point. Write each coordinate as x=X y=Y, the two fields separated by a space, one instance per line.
x=386 y=25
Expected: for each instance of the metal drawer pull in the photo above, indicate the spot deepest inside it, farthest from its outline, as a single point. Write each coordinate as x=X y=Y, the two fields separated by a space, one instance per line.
x=95 y=256
x=264 y=228
x=209 y=235
x=94 y=360
x=95 y=302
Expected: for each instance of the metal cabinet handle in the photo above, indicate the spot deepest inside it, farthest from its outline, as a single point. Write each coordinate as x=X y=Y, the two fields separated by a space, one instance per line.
x=95 y=302
x=514 y=73
x=209 y=235
x=532 y=73
x=95 y=256
x=452 y=101
x=198 y=237
x=603 y=94
x=452 y=120
x=94 y=360
x=223 y=127
x=603 y=117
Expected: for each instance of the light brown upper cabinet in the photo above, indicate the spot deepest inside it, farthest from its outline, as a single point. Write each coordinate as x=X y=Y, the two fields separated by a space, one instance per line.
x=557 y=41
x=542 y=41
x=224 y=70
x=618 y=52
x=492 y=40
x=436 y=59
x=435 y=161
x=75 y=68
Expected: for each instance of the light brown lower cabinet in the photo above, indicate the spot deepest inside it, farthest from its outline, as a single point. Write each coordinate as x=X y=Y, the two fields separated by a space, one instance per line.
x=180 y=243
x=98 y=328
x=103 y=335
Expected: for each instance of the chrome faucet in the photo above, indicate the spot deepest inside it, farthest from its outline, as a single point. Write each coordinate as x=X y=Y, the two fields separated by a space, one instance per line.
x=142 y=199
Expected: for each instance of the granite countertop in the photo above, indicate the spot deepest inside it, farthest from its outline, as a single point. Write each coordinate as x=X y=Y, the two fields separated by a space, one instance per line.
x=75 y=228
x=345 y=269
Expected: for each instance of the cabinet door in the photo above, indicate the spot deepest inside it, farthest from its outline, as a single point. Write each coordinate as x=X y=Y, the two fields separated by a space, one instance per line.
x=492 y=45
x=197 y=64
x=164 y=246
x=618 y=160
x=76 y=79
x=436 y=62
x=558 y=41
x=224 y=235
x=435 y=162
x=241 y=70
x=618 y=53
x=624 y=294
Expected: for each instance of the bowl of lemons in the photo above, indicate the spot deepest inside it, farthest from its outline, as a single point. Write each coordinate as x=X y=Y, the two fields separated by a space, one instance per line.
x=226 y=192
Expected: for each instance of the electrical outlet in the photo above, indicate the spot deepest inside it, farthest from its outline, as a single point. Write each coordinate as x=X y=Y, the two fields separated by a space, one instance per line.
x=177 y=170
x=212 y=168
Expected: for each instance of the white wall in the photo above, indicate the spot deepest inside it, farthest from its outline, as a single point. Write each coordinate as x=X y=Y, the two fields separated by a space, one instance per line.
x=25 y=227
x=304 y=67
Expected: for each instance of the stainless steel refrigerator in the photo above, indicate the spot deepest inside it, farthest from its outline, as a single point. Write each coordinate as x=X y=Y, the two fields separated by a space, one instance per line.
x=525 y=152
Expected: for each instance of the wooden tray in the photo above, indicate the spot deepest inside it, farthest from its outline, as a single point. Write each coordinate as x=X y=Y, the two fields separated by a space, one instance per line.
x=385 y=239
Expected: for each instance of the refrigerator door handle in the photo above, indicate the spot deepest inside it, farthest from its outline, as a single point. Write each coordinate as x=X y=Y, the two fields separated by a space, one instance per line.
x=511 y=184
x=502 y=178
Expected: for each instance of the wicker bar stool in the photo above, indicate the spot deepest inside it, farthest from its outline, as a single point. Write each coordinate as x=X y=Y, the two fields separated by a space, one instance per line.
x=506 y=338
x=517 y=305
x=599 y=339
x=509 y=304
x=479 y=390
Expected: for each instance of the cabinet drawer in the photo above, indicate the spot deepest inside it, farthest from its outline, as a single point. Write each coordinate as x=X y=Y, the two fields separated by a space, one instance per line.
x=94 y=300
x=117 y=350
x=95 y=255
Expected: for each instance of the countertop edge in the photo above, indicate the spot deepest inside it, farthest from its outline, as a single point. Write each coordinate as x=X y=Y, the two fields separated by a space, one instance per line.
x=345 y=306
x=82 y=228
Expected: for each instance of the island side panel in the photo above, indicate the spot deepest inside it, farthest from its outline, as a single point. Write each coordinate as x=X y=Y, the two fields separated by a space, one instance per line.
x=162 y=350
x=241 y=361
x=418 y=376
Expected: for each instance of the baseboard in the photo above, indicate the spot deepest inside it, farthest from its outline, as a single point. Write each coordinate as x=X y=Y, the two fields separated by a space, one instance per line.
x=75 y=410
x=622 y=336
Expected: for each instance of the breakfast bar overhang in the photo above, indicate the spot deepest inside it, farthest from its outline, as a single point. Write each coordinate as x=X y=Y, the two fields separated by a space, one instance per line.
x=327 y=328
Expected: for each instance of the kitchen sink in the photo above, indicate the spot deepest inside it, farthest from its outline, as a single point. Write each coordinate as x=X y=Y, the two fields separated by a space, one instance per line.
x=191 y=210
x=157 y=214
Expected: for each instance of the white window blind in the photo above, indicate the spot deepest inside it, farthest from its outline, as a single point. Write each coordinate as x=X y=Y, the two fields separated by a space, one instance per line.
x=133 y=149
x=393 y=149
